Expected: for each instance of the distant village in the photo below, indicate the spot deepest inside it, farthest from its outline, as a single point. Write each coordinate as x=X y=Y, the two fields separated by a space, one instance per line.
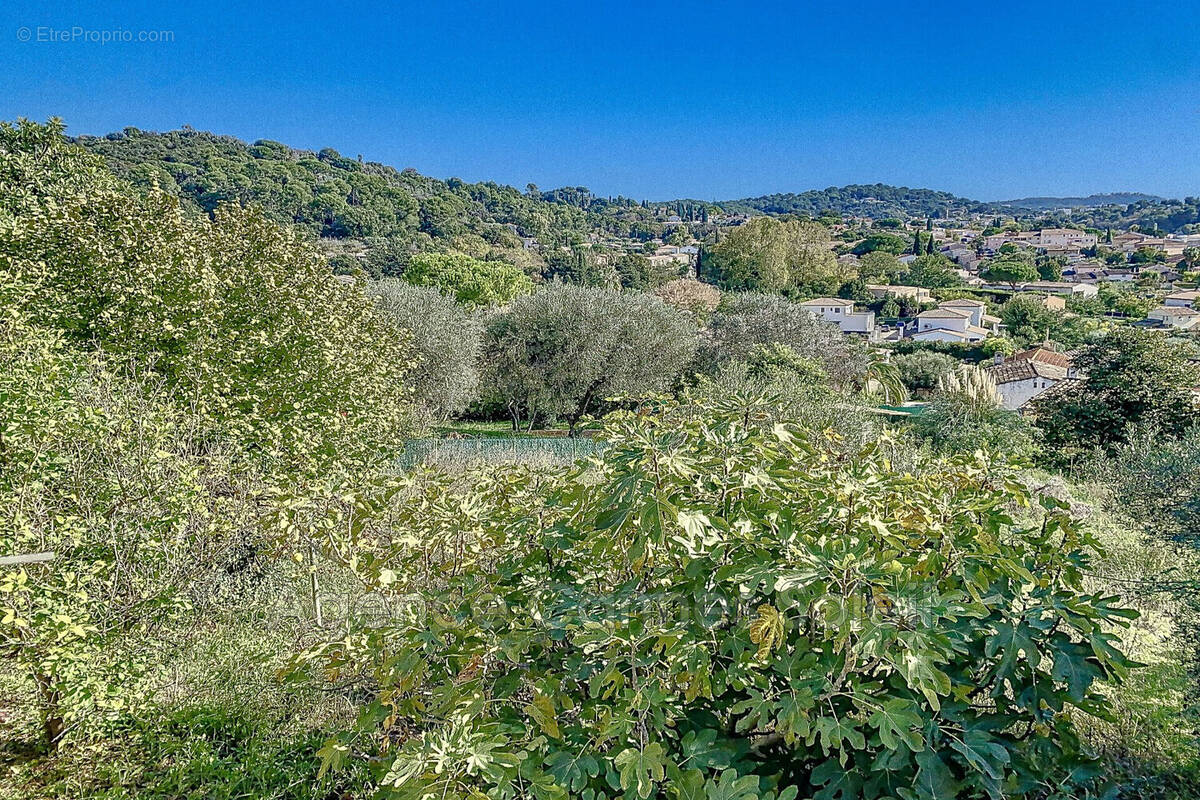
x=1161 y=268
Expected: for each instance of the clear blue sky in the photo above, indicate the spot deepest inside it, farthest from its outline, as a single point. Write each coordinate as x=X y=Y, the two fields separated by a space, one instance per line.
x=654 y=100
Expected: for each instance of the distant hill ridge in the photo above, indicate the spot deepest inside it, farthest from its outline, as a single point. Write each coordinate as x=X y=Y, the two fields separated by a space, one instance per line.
x=346 y=198
x=1091 y=201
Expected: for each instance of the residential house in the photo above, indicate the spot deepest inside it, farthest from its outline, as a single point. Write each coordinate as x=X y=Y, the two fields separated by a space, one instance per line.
x=1065 y=288
x=1051 y=239
x=1029 y=374
x=978 y=311
x=1182 y=299
x=842 y=313
x=917 y=293
x=1184 y=318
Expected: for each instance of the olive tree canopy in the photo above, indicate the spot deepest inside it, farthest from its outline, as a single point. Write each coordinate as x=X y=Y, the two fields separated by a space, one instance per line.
x=554 y=353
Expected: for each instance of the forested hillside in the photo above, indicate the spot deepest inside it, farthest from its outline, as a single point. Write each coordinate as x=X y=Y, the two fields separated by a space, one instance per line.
x=875 y=200
x=1165 y=216
x=331 y=194
x=398 y=211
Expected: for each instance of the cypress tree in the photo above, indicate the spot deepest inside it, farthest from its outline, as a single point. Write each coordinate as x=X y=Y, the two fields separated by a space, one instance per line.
x=916 y=248
x=929 y=245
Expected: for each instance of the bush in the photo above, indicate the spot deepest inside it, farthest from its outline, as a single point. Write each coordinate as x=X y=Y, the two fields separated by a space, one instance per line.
x=718 y=608
x=920 y=371
x=557 y=353
x=239 y=317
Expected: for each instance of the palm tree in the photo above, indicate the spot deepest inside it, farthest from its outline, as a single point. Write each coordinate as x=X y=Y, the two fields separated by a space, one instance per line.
x=883 y=382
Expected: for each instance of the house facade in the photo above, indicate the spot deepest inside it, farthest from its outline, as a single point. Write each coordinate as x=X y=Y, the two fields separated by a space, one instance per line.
x=1029 y=374
x=841 y=312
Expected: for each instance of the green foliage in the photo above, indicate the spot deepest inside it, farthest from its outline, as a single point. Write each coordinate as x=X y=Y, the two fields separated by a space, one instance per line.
x=882 y=242
x=1012 y=271
x=1130 y=377
x=932 y=272
x=239 y=317
x=446 y=340
x=965 y=416
x=160 y=378
x=748 y=320
x=329 y=194
x=1155 y=480
x=878 y=201
x=560 y=351
x=766 y=254
x=468 y=280
x=880 y=267
x=720 y=609
x=922 y=370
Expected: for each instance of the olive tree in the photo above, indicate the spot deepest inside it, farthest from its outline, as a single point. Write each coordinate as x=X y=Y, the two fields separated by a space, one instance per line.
x=747 y=320
x=446 y=339
x=555 y=353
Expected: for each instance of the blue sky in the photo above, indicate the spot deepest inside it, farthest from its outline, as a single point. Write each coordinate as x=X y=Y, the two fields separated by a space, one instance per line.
x=649 y=99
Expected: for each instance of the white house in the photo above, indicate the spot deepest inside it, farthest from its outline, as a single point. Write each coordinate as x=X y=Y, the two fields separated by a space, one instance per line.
x=1065 y=237
x=977 y=310
x=1179 y=317
x=1182 y=299
x=918 y=293
x=947 y=325
x=1026 y=375
x=841 y=312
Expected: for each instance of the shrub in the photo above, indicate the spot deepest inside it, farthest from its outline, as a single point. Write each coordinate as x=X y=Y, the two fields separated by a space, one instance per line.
x=921 y=370
x=748 y=320
x=560 y=351
x=722 y=609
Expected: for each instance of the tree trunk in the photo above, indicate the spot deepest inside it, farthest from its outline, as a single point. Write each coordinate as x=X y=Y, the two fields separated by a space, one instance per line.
x=53 y=724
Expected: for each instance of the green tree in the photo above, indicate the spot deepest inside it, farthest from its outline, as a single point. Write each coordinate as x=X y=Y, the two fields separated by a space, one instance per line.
x=470 y=281
x=880 y=267
x=1147 y=255
x=1011 y=271
x=923 y=370
x=565 y=348
x=239 y=317
x=770 y=255
x=881 y=243
x=446 y=341
x=1130 y=377
x=746 y=320
x=932 y=272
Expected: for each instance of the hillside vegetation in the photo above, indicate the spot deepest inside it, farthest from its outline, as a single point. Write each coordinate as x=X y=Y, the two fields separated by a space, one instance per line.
x=228 y=573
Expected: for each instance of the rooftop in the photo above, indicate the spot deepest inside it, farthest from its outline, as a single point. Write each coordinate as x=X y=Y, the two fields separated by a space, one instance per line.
x=827 y=301
x=1043 y=355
